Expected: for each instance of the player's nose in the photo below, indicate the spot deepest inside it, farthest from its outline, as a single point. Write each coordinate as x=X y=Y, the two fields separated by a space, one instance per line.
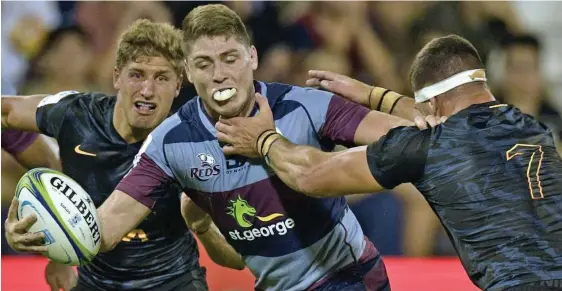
x=147 y=90
x=219 y=74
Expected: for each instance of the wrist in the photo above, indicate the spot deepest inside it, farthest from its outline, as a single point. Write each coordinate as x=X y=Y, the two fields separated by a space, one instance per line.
x=383 y=100
x=265 y=140
x=202 y=231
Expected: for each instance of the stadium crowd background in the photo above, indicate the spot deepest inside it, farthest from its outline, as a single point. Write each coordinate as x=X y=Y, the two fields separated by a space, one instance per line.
x=53 y=46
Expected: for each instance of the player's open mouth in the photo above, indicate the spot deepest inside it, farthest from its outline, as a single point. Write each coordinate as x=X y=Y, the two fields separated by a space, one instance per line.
x=224 y=94
x=145 y=108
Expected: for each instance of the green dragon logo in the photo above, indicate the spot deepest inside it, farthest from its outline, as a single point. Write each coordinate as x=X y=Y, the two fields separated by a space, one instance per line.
x=240 y=210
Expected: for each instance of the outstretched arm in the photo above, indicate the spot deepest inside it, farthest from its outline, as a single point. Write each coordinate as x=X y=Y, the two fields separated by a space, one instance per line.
x=399 y=157
x=322 y=174
x=118 y=215
x=375 y=98
x=38 y=113
x=200 y=223
x=18 y=112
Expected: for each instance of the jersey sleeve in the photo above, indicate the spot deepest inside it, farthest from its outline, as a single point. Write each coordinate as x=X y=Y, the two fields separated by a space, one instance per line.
x=150 y=177
x=333 y=117
x=399 y=157
x=15 y=141
x=53 y=110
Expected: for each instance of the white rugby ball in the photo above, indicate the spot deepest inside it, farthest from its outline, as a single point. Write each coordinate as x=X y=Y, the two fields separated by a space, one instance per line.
x=65 y=214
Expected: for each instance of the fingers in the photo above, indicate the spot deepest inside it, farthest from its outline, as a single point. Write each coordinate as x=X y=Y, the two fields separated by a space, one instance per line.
x=431 y=120
x=322 y=75
x=262 y=102
x=313 y=82
x=54 y=286
x=33 y=249
x=66 y=285
x=229 y=150
x=12 y=211
x=420 y=122
x=224 y=138
x=222 y=127
x=318 y=83
x=31 y=239
x=26 y=223
x=226 y=121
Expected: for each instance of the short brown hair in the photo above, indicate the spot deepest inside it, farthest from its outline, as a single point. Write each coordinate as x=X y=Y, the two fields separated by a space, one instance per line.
x=146 y=38
x=442 y=58
x=213 y=20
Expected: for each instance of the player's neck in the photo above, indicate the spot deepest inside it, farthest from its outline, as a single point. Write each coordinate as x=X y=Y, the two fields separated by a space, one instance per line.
x=465 y=100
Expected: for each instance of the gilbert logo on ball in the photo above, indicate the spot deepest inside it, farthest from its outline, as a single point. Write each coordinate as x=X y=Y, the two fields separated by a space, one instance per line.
x=65 y=214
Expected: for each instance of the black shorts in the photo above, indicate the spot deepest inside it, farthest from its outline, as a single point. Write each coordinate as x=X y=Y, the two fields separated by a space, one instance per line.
x=194 y=280
x=550 y=285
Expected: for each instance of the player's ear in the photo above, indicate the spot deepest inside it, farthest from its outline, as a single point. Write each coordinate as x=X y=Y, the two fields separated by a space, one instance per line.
x=434 y=107
x=187 y=73
x=178 y=87
x=116 y=84
x=254 y=57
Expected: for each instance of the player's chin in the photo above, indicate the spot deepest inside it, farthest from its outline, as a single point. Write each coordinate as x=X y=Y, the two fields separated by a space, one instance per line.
x=147 y=121
x=231 y=109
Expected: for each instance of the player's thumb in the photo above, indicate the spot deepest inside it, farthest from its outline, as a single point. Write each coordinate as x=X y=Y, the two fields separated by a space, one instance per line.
x=229 y=150
x=263 y=105
x=53 y=284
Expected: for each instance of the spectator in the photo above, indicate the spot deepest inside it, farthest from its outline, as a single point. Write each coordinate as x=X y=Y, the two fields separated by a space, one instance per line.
x=52 y=72
x=25 y=25
x=520 y=81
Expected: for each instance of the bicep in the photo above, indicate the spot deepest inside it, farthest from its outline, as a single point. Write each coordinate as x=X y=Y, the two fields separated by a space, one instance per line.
x=375 y=125
x=340 y=174
x=118 y=215
x=399 y=156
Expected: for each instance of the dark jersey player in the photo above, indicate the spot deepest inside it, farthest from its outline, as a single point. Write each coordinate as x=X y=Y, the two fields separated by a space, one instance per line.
x=491 y=173
x=99 y=137
x=22 y=151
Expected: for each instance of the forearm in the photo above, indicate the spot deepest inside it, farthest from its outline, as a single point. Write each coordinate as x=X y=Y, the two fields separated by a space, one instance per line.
x=219 y=250
x=18 y=112
x=388 y=101
x=375 y=125
x=291 y=162
x=118 y=215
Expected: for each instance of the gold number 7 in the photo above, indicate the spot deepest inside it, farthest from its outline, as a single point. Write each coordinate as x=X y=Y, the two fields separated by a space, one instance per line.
x=533 y=168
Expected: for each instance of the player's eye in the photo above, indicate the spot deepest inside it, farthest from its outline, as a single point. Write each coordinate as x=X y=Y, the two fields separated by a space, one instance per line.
x=231 y=59
x=162 y=79
x=135 y=75
x=202 y=65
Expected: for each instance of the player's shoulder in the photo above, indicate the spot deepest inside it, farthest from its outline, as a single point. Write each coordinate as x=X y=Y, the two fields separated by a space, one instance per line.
x=405 y=133
x=307 y=95
x=184 y=127
x=71 y=99
x=167 y=126
x=493 y=120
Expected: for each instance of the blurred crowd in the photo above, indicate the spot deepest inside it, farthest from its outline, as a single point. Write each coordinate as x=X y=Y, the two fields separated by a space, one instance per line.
x=51 y=46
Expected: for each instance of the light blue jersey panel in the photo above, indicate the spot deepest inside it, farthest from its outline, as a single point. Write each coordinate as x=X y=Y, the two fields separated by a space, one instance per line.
x=288 y=240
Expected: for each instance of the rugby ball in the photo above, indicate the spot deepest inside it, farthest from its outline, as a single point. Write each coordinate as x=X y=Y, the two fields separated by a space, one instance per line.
x=65 y=214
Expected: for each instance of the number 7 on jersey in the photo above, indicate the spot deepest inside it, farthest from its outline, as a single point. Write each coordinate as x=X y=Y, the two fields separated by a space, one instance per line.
x=533 y=168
